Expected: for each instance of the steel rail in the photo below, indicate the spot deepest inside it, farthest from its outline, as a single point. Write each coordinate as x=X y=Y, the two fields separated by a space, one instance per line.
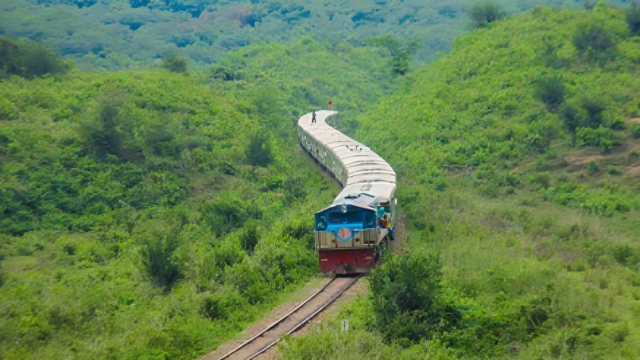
x=285 y=317
x=306 y=320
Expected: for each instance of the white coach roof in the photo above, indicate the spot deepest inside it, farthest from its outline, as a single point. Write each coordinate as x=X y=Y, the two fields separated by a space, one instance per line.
x=367 y=172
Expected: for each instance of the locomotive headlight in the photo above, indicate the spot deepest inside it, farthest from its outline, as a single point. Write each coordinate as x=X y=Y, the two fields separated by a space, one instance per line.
x=344 y=208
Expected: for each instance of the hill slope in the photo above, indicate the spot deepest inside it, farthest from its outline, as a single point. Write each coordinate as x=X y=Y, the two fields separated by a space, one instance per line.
x=534 y=254
x=149 y=213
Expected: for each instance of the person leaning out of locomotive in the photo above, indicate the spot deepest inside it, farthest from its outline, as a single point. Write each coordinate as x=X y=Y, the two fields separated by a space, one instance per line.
x=386 y=223
x=385 y=220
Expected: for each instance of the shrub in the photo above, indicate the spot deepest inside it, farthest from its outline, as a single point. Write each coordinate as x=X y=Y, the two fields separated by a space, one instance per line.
x=592 y=167
x=158 y=254
x=228 y=213
x=571 y=118
x=175 y=63
x=551 y=92
x=222 y=303
x=541 y=179
x=635 y=131
x=594 y=108
x=224 y=73
x=28 y=59
x=485 y=13
x=613 y=170
x=407 y=298
x=633 y=18
x=249 y=237
x=601 y=136
x=617 y=124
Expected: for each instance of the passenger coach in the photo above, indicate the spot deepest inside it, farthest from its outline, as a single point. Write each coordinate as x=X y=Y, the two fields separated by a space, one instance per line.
x=350 y=232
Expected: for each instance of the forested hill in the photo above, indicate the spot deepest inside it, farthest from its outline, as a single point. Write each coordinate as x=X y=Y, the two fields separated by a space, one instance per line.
x=546 y=82
x=117 y=34
x=157 y=213
x=518 y=159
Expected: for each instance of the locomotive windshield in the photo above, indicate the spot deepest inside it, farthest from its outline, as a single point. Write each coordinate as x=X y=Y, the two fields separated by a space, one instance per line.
x=356 y=218
x=345 y=218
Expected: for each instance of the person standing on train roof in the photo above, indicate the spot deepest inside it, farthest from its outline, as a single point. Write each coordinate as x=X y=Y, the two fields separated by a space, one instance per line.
x=313 y=117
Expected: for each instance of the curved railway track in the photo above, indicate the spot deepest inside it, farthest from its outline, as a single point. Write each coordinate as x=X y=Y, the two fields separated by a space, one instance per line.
x=292 y=321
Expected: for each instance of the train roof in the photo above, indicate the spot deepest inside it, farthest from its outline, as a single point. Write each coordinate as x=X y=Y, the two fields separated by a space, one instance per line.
x=368 y=173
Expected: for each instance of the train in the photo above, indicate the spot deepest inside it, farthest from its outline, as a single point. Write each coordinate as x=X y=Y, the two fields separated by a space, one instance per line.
x=352 y=231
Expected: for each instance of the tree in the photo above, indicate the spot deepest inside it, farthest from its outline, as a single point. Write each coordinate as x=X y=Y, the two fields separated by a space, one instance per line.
x=28 y=59
x=485 y=13
x=175 y=63
x=259 y=150
x=102 y=134
x=633 y=18
x=593 y=39
x=401 y=53
x=551 y=92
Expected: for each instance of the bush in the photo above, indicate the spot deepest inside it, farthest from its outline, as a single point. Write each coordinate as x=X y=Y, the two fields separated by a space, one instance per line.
x=635 y=131
x=571 y=118
x=159 y=259
x=407 y=298
x=633 y=18
x=551 y=91
x=175 y=63
x=229 y=213
x=485 y=13
x=594 y=108
x=28 y=59
x=601 y=136
x=541 y=179
x=592 y=167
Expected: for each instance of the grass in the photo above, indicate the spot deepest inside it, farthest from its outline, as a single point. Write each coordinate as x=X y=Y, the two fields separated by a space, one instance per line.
x=500 y=254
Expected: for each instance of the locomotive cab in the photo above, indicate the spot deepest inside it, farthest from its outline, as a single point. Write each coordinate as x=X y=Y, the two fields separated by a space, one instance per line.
x=347 y=235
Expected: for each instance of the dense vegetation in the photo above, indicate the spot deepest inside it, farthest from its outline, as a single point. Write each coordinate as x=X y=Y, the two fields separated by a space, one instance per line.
x=518 y=161
x=120 y=34
x=157 y=213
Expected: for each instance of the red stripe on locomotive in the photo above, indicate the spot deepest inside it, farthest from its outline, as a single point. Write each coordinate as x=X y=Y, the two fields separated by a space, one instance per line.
x=347 y=261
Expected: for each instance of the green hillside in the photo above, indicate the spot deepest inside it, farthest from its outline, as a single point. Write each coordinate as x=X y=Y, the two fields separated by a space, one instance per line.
x=120 y=34
x=152 y=214
x=535 y=254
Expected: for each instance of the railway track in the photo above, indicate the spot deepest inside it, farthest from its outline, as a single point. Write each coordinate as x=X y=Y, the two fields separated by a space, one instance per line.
x=292 y=321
